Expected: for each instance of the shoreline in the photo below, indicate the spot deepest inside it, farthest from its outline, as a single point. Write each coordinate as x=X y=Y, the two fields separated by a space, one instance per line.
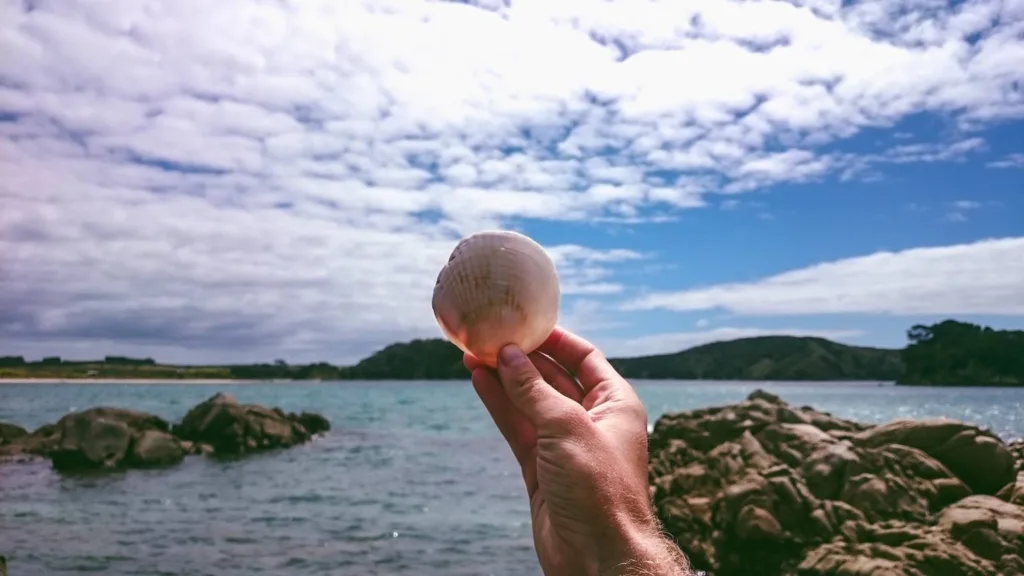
x=202 y=381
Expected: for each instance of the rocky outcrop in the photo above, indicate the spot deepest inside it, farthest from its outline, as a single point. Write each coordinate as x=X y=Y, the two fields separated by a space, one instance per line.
x=9 y=433
x=233 y=428
x=113 y=438
x=22 y=446
x=762 y=487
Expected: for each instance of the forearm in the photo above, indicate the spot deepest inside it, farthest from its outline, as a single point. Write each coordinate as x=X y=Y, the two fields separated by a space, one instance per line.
x=642 y=550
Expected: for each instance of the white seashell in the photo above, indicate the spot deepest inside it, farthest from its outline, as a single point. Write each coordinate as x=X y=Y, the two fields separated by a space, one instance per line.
x=499 y=287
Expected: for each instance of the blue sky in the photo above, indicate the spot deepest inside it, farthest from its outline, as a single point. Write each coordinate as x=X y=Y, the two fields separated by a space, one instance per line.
x=243 y=182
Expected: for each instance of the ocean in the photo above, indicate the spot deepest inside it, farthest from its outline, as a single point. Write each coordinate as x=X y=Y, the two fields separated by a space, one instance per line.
x=413 y=479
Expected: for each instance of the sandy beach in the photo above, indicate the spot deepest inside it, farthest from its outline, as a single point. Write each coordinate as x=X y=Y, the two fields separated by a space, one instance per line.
x=211 y=381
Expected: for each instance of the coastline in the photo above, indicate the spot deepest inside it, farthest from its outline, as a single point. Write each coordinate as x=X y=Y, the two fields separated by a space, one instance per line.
x=205 y=381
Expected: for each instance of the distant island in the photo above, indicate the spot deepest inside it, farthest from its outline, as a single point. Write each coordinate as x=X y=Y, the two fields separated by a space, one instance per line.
x=948 y=353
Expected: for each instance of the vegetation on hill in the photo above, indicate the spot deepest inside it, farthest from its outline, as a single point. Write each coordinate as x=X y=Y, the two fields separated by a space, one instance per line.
x=947 y=353
x=431 y=359
x=953 y=353
x=109 y=367
x=767 y=358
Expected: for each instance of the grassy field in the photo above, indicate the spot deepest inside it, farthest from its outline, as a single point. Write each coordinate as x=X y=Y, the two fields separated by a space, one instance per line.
x=102 y=370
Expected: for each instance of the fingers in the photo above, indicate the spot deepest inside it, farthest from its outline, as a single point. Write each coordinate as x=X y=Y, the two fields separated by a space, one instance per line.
x=558 y=377
x=471 y=362
x=550 y=411
x=554 y=374
x=579 y=357
x=501 y=410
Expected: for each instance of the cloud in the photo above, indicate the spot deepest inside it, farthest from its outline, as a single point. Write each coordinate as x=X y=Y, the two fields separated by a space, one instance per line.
x=958 y=209
x=252 y=179
x=1010 y=161
x=669 y=342
x=979 y=278
x=587 y=315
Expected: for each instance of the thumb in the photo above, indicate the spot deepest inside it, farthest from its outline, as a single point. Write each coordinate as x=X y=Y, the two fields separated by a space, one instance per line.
x=545 y=407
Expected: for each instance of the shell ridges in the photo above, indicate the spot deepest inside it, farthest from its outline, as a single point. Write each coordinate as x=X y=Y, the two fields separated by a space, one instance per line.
x=498 y=287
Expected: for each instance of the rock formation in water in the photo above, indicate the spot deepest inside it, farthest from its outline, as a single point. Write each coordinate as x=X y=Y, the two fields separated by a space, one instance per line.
x=232 y=428
x=110 y=438
x=762 y=487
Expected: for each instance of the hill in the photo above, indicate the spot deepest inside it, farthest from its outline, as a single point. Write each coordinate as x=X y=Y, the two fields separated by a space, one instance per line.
x=430 y=359
x=952 y=353
x=767 y=358
x=946 y=353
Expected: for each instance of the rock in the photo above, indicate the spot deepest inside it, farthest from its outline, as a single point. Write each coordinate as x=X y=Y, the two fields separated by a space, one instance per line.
x=101 y=437
x=689 y=519
x=313 y=423
x=893 y=549
x=976 y=456
x=986 y=525
x=154 y=448
x=765 y=396
x=231 y=428
x=825 y=470
x=9 y=433
x=28 y=448
x=113 y=438
x=1014 y=491
x=1016 y=448
x=760 y=487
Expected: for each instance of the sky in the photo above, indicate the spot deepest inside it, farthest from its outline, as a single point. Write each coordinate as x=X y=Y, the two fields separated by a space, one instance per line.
x=241 y=181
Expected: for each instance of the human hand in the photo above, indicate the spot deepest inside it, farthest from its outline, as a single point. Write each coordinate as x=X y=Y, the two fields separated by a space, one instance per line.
x=582 y=445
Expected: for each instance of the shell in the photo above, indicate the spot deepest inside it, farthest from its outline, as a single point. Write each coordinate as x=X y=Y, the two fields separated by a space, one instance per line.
x=498 y=287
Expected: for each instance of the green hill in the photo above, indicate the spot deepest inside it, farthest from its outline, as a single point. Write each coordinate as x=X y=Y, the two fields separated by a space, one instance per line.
x=761 y=358
x=767 y=358
x=431 y=359
x=953 y=353
x=946 y=353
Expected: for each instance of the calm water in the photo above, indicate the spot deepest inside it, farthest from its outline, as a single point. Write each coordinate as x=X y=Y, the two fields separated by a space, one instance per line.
x=413 y=480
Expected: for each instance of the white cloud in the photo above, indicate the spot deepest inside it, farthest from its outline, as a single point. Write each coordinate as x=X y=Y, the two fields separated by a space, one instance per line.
x=670 y=342
x=978 y=278
x=251 y=179
x=1010 y=161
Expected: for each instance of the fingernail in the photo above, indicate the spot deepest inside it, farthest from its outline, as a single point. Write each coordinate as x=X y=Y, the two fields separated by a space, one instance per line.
x=511 y=355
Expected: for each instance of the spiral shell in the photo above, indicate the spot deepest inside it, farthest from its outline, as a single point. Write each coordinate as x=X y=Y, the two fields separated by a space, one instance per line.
x=498 y=287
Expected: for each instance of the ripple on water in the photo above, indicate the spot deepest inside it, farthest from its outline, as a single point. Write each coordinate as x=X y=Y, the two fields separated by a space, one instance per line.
x=413 y=480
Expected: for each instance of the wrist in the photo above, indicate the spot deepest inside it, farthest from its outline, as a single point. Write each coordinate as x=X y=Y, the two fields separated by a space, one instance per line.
x=638 y=548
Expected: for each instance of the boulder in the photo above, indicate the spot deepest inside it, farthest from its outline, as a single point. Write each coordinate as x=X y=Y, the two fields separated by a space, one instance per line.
x=31 y=446
x=10 y=433
x=114 y=438
x=761 y=487
x=103 y=438
x=1014 y=491
x=978 y=457
x=893 y=549
x=231 y=428
x=154 y=448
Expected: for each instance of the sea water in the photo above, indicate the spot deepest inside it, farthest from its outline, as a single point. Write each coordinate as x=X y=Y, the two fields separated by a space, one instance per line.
x=413 y=479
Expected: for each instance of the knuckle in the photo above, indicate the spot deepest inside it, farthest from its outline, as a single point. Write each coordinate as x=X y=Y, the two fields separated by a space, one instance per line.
x=530 y=387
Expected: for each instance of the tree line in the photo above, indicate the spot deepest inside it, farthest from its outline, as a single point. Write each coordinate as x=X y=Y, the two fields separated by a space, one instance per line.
x=946 y=353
